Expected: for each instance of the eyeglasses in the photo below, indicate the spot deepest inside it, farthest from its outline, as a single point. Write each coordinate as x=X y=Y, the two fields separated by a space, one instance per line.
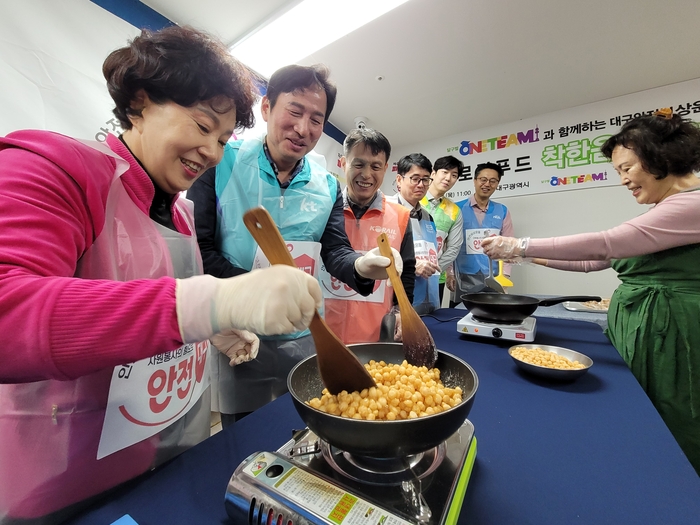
x=484 y=180
x=416 y=180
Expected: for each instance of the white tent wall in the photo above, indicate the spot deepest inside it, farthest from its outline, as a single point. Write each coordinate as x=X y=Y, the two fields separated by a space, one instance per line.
x=567 y=213
x=331 y=150
x=51 y=55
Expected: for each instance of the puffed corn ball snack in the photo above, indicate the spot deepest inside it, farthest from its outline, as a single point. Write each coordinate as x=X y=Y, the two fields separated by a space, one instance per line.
x=539 y=357
x=403 y=392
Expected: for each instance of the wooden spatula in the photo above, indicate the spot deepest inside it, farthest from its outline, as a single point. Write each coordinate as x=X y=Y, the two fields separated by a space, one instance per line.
x=418 y=345
x=338 y=366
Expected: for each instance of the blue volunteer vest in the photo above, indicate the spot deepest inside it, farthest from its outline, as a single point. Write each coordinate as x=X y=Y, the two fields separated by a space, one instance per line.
x=475 y=263
x=245 y=179
x=426 y=294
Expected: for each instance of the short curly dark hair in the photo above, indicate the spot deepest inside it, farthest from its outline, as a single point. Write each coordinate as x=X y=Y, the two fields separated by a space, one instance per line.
x=665 y=146
x=182 y=65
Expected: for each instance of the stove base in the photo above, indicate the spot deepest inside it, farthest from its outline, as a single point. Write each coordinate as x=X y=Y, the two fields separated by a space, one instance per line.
x=523 y=332
x=276 y=487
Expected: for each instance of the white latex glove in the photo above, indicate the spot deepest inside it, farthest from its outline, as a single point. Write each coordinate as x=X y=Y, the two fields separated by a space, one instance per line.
x=426 y=268
x=504 y=247
x=372 y=265
x=238 y=345
x=277 y=300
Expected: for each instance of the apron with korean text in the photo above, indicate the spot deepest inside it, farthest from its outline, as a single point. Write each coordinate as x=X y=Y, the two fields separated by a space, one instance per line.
x=352 y=317
x=471 y=265
x=426 y=293
x=654 y=322
x=82 y=437
x=301 y=212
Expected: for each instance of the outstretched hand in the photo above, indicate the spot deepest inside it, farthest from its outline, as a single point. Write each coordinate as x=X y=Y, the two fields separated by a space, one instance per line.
x=504 y=248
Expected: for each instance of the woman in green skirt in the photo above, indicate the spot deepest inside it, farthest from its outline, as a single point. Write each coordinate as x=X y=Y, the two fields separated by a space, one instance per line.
x=654 y=315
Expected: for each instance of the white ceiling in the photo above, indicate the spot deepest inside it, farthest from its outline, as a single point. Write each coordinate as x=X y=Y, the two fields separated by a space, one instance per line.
x=451 y=66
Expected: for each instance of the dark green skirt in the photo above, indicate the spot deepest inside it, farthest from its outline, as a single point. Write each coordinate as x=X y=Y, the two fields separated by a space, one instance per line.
x=654 y=322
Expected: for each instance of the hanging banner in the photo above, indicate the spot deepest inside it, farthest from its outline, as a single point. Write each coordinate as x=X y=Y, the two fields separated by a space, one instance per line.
x=558 y=151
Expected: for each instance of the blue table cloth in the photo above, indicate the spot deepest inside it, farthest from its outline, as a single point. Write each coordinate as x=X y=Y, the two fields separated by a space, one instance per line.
x=594 y=451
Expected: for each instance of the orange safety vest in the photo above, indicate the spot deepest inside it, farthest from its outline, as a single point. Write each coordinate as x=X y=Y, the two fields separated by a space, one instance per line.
x=352 y=317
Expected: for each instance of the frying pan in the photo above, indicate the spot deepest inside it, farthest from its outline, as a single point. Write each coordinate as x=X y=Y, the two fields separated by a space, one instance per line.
x=502 y=308
x=383 y=439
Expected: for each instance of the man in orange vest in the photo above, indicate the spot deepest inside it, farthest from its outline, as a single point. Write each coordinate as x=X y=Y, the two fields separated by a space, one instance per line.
x=354 y=318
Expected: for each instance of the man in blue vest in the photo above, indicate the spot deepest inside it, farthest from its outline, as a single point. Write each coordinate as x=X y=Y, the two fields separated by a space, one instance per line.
x=482 y=218
x=304 y=200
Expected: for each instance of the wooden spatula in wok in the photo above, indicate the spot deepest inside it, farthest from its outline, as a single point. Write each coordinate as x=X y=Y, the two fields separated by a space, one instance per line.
x=339 y=368
x=418 y=345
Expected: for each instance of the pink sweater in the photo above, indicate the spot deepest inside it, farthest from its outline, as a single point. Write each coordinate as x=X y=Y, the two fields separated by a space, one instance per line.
x=673 y=222
x=53 y=191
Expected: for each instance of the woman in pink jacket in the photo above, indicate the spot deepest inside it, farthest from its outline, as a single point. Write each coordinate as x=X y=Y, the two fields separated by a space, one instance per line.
x=654 y=313
x=104 y=314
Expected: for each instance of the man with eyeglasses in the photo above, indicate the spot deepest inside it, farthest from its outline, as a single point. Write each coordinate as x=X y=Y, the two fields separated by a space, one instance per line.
x=447 y=216
x=352 y=317
x=482 y=218
x=412 y=180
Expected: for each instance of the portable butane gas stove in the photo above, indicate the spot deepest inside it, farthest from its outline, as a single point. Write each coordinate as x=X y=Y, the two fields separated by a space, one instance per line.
x=523 y=331
x=307 y=481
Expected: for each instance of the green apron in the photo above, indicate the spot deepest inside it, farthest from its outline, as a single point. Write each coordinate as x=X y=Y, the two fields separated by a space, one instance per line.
x=654 y=322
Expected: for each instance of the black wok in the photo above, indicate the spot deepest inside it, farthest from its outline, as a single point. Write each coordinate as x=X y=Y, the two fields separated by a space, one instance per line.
x=503 y=308
x=383 y=439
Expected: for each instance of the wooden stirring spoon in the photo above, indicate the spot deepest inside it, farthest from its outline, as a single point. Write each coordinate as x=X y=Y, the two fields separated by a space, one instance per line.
x=338 y=366
x=418 y=345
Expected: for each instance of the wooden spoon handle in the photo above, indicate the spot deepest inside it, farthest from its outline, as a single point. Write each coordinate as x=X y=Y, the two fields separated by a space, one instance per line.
x=272 y=244
x=338 y=366
x=385 y=249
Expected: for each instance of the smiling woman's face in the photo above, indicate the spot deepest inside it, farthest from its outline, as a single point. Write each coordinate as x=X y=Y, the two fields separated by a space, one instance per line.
x=645 y=188
x=177 y=144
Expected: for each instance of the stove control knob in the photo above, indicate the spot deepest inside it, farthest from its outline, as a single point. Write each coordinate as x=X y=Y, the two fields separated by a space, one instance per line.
x=274 y=471
x=496 y=332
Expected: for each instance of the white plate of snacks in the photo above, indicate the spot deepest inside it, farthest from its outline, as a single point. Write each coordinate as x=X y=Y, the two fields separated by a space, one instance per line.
x=553 y=362
x=589 y=306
